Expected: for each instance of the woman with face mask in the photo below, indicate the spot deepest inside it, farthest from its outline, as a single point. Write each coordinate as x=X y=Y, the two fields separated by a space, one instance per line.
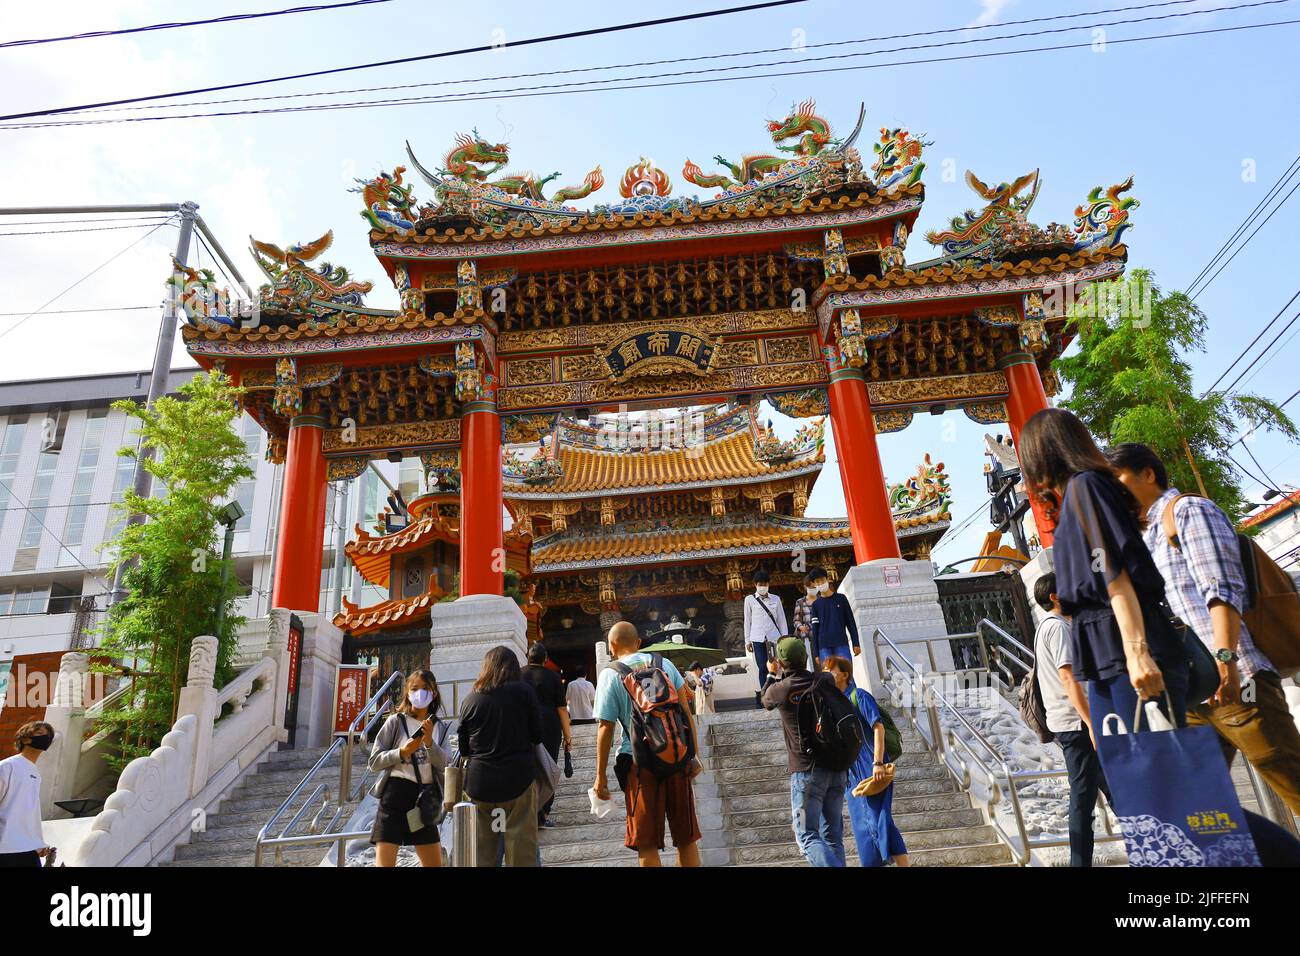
x=21 y=841
x=410 y=750
x=803 y=619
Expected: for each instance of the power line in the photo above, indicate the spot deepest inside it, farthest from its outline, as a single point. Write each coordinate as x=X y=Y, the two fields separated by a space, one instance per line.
x=720 y=56
x=1247 y=349
x=1282 y=348
x=1267 y=347
x=1271 y=482
x=573 y=34
x=1245 y=224
x=85 y=277
x=1250 y=431
x=191 y=23
x=1245 y=242
x=64 y=232
x=493 y=95
x=111 y=308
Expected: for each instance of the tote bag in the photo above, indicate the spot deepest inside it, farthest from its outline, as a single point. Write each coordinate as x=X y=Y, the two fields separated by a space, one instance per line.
x=1173 y=796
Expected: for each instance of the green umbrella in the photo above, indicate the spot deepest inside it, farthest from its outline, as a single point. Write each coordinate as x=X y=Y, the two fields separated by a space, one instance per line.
x=683 y=655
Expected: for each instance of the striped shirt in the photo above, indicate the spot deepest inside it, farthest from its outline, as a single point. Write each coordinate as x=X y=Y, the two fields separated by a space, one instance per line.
x=1206 y=566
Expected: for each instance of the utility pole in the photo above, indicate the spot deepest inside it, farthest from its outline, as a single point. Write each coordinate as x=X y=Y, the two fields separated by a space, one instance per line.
x=158 y=379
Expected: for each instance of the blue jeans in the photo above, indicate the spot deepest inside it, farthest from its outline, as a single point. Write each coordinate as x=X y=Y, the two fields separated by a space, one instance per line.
x=817 y=814
x=1086 y=779
x=841 y=650
x=760 y=659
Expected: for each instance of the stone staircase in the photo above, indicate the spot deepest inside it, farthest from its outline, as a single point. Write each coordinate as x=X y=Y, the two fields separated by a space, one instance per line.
x=742 y=798
x=229 y=835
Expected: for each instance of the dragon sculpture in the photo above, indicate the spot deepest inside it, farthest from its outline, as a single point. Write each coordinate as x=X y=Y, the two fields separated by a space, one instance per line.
x=811 y=135
x=388 y=202
x=928 y=489
x=198 y=296
x=1103 y=217
x=808 y=440
x=296 y=286
x=468 y=165
x=1006 y=203
x=898 y=158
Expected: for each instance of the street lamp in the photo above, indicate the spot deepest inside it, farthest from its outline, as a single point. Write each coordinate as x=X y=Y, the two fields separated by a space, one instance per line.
x=229 y=516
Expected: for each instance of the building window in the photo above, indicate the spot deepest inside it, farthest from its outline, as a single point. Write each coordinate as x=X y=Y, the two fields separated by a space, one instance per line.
x=38 y=503
x=122 y=481
x=11 y=446
x=83 y=484
x=33 y=599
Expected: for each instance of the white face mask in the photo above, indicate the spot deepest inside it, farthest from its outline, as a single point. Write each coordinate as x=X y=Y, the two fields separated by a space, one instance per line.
x=812 y=591
x=421 y=699
x=762 y=590
x=826 y=588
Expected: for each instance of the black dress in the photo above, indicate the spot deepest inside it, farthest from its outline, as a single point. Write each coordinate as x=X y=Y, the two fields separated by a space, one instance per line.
x=1096 y=538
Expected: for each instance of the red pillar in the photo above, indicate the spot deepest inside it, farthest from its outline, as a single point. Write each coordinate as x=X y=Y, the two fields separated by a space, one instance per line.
x=300 y=537
x=482 y=548
x=870 y=520
x=1025 y=398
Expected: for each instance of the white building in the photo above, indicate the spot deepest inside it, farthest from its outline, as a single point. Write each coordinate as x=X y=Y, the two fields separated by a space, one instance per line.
x=1279 y=531
x=60 y=474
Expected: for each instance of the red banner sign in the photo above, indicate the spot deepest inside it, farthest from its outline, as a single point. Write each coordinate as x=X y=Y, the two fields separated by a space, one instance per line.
x=350 y=687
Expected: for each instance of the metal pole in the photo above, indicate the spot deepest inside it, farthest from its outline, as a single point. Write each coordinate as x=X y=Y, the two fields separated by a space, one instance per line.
x=1270 y=804
x=68 y=210
x=464 y=841
x=227 y=546
x=340 y=541
x=158 y=380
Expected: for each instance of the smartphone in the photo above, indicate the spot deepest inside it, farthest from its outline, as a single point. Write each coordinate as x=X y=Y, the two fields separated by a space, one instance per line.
x=419 y=732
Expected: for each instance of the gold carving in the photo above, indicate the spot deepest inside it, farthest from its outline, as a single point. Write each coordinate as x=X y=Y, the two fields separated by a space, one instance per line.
x=987 y=413
x=400 y=435
x=892 y=420
x=535 y=371
x=792 y=349
x=921 y=390
x=734 y=354
x=577 y=368
x=586 y=336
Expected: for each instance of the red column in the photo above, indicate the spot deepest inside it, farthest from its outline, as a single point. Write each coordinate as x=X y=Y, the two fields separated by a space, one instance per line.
x=482 y=548
x=300 y=537
x=870 y=520
x=1025 y=398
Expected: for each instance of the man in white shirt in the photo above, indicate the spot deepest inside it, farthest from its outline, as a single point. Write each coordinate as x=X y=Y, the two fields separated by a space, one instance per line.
x=764 y=625
x=1066 y=702
x=21 y=841
x=581 y=696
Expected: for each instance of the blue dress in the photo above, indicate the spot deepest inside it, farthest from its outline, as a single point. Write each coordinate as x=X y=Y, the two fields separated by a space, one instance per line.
x=872 y=817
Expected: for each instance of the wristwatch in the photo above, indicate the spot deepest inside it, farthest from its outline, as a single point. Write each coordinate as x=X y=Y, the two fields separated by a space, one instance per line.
x=1225 y=656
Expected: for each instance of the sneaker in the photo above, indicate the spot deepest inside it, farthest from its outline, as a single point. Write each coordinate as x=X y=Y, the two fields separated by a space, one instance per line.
x=547 y=824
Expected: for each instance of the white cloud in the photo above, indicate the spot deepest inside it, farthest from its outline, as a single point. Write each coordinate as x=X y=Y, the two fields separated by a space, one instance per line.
x=991 y=10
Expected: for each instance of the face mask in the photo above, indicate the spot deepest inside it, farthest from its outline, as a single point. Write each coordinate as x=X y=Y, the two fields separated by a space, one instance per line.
x=826 y=588
x=762 y=590
x=41 y=741
x=812 y=592
x=421 y=699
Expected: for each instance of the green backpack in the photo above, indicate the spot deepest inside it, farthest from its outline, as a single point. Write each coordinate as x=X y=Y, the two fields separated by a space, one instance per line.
x=893 y=740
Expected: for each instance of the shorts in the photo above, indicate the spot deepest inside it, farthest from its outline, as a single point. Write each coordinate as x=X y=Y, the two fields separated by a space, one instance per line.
x=390 y=822
x=653 y=802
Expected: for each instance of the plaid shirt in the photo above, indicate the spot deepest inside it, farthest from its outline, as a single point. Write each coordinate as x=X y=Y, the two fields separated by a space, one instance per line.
x=803 y=617
x=1206 y=566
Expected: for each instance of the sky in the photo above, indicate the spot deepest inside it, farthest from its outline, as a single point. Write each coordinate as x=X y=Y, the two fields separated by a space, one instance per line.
x=1205 y=124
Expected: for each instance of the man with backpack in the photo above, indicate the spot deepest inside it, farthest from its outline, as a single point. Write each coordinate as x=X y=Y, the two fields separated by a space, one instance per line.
x=1067 y=718
x=823 y=736
x=656 y=761
x=1252 y=633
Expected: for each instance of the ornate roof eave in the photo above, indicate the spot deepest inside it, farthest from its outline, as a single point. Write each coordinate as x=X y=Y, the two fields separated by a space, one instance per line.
x=358 y=621
x=522 y=492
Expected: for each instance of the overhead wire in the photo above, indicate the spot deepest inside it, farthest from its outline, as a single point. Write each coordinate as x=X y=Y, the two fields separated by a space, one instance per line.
x=1251 y=345
x=1245 y=242
x=532 y=92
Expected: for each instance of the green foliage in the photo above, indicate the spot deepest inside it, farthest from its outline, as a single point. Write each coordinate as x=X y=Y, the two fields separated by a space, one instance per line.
x=172 y=562
x=1130 y=382
x=512 y=587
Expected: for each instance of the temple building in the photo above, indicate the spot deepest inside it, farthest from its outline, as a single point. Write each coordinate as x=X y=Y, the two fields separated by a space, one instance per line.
x=654 y=519
x=523 y=316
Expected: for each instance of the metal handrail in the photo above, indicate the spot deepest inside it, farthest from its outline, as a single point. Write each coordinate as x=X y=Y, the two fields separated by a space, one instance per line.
x=949 y=746
x=994 y=655
x=343 y=745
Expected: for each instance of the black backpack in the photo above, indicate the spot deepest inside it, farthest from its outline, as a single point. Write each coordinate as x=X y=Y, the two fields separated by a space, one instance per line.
x=837 y=736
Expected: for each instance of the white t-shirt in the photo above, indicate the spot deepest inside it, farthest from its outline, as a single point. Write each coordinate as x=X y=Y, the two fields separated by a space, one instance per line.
x=20 y=806
x=1052 y=652
x=418 y=770
x=580 y=697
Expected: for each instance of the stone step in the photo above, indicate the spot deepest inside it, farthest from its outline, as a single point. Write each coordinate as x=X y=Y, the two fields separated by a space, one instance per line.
x=735 y=734
x=925 y=839
x=780 y=785
x=742 y=748
x=773 y=767
x=987 y=854
x=907 y=821
x=723 y=764
x=904 y=802
x=222 y=855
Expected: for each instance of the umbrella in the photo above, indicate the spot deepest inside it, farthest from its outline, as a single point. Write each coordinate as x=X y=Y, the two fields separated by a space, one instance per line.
x=683 y=655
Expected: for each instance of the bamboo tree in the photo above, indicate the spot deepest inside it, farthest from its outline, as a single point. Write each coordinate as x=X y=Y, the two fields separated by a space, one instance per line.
x=172 y=560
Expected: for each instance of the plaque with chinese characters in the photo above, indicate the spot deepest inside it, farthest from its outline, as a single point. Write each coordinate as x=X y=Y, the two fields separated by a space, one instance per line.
x=659 y=351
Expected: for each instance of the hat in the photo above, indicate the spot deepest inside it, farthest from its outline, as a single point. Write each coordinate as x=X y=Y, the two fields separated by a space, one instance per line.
x=791 y=653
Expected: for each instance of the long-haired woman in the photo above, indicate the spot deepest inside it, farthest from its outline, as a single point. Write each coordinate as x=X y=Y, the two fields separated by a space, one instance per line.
x=1123 y=643
x=877 y=836
x=410 y=750
x=500 y=727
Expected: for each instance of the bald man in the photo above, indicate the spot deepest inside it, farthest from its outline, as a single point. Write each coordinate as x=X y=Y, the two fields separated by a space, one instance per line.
x=651 y=801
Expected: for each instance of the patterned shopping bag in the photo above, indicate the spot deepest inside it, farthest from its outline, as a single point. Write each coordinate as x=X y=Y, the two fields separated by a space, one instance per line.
x=1174 y=798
